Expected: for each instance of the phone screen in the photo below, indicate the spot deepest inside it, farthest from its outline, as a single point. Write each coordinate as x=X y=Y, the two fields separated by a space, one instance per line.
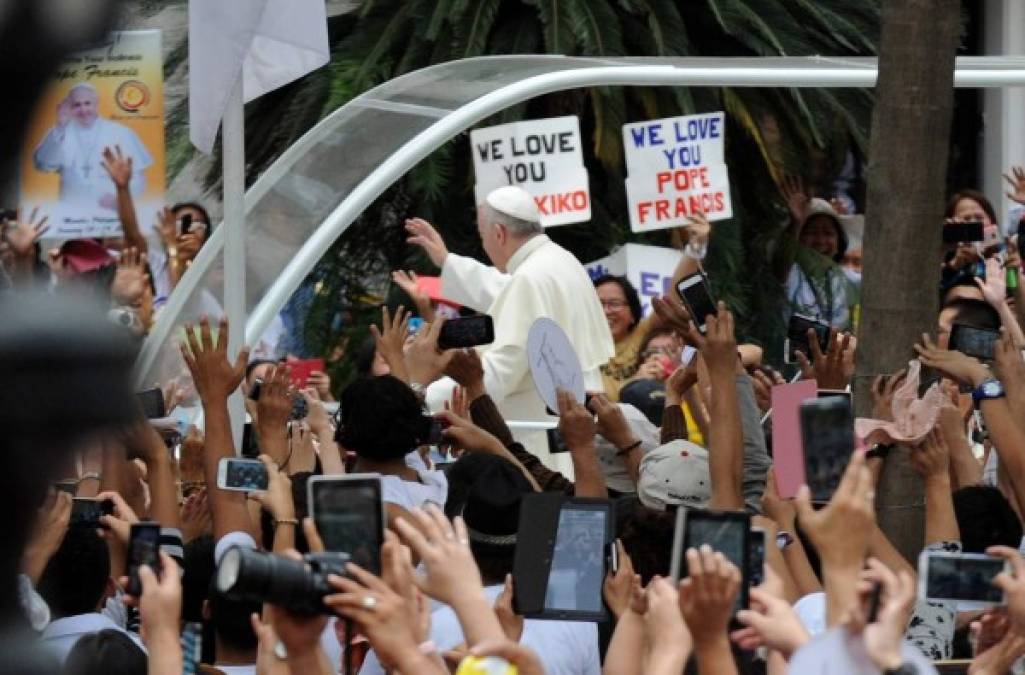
x=87 y=512
x=964 y=577
x=246 y=474
x=723 y=533
x=349 y=517
x=827 y=433
x=695 y=294
x=467 y=331
x=797 y=336
x=152 y=403
x=979 y=343
x=956 y=233
x=756 y=557
x=143 y=549
x=578 y=561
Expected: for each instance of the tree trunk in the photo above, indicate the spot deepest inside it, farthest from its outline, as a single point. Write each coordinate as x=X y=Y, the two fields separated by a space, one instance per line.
x=914 y=100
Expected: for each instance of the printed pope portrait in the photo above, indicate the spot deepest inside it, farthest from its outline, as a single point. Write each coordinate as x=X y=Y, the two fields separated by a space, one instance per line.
x=73 y=149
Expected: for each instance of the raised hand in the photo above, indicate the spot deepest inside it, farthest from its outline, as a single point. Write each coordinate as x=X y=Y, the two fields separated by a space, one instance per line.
x=160 y=603
x=131 y=278
x=214 y=376
x=51 y=524
x=828 y=369
x=771 y=622
x=1017 y=182
x=841 y=530
x=275 y=404
x=612 y=424
x=620 y=587
x=390 y=339
x=953 y=364
x=196 y=518
x=884 y=636
x=22 y=235
x=444 y=549
x=422 y=234
x=167 y=226
x=321 y=381
x=883 y=390
x=425 y=363
x=932 y=457
x=512 y=623
x=576 y=424
x=118 y=167
x=465 y=434
x=1013 y=584
x=674 y=314
x=718 y=346
x=277 y=498
x=994 y=288
x=708 y=593
x=669 y=641
x=467 y=370
x=795 y=196
x=698 y=230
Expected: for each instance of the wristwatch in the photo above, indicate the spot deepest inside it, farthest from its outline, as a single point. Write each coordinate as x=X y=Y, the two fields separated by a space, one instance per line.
x=417 y=388
x=989 y=389
x=783 y=539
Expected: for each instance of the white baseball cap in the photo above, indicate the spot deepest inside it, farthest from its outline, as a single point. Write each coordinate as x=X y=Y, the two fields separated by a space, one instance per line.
x=514 y=201
x=675 y=473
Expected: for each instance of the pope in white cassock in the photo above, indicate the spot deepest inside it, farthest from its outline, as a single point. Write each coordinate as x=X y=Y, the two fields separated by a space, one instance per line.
x=532 y=277
x=74 y=149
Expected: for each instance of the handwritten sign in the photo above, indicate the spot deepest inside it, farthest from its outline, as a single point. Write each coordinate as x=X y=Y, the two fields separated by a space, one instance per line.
x=676 y=167
x=553 y=363
x=543 y=157
x=648 y=268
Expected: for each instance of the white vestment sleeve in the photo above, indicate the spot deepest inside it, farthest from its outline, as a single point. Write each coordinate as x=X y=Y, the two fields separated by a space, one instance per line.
x=504 y=369
x=471 y=283
x=49 y=156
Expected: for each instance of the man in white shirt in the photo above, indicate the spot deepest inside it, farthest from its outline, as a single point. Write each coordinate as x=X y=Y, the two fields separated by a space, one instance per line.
x=532 y=277
x=74 y=147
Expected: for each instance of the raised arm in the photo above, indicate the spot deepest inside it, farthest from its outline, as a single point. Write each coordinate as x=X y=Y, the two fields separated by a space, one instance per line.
x=578 y=430
x=726 y=445
x=932 y=462
x=215 y=378
x=119 y=167
x=143 y=441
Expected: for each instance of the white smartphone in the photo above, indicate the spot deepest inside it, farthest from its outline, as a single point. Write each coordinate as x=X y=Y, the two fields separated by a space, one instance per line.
x=697 y=297
x=241 y=475
x=964 y=578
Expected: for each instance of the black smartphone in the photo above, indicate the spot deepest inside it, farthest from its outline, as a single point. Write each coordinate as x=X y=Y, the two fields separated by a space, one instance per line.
x=186 y=223
x=979 y=343
x=250 y=444
x=956 y=233
x=434 y=427
x=756 y=556
x=69 y=486
x=255 y=389
x=827 y=434
x=697 y=296
x=966 y=578
x=152 y=403
x=561 y=557
x=797 y=336
x=466 y=331
x=86 y=512
x=727 y=532
x=555 y=443
x=143 y=549
x=349 y=514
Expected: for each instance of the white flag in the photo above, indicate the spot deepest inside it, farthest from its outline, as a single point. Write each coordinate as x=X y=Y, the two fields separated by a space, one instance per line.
x=269 y=43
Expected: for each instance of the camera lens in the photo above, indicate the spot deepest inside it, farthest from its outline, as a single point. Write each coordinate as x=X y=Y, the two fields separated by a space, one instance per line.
x=299 y=586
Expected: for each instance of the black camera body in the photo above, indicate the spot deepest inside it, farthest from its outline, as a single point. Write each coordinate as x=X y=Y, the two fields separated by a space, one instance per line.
x=297 y=586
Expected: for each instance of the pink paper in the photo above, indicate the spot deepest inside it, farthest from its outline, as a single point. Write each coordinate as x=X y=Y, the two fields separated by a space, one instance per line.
x=913 y=417
x=787 y=448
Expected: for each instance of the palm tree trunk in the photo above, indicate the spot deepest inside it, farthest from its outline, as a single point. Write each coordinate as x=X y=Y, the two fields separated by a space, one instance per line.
x=914 y=100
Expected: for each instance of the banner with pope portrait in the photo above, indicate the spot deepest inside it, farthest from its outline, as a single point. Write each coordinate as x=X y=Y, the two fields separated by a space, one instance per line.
x=111 y=96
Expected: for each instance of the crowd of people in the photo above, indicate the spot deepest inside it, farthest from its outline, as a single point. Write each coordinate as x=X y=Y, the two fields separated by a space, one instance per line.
x=675 y=419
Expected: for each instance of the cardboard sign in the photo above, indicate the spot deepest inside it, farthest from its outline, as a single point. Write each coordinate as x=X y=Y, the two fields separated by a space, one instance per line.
x=648 y=268
x=787 y=446
x=553 y=363
x=112 y=95
x=675 y=168
x=543 y=157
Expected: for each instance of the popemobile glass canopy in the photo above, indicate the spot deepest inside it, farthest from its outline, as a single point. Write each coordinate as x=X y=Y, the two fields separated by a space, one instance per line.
x=311 y=194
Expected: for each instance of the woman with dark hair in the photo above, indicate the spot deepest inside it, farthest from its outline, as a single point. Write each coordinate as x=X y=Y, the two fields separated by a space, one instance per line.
x=383 y=422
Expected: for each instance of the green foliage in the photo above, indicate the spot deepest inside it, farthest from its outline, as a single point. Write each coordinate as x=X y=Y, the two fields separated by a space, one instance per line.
x=770 y=132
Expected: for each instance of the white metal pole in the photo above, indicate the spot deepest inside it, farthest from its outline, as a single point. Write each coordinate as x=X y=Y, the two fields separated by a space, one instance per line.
x=234 y=162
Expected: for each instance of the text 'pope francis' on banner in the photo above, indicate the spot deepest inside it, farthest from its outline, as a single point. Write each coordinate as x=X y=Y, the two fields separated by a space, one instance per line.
x=675 y=168
x=544 y=158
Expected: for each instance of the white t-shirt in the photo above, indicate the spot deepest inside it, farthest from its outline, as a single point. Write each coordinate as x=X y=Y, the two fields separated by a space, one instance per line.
x=564 y=647
x=433 y=488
